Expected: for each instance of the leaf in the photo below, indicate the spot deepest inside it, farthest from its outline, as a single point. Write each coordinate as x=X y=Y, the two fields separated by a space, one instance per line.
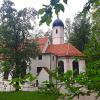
x=65 y=1
x=57 y=10
x=41 y=11
x=43 y=19
x=48 y=21
x=61 y=7
x=54 y=2
x=49 y=11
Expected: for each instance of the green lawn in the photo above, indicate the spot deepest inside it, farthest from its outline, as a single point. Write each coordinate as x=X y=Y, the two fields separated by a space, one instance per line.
x=26 y=96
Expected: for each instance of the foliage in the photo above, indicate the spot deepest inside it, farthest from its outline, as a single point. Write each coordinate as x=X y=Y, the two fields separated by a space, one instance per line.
x=79 y=37
x=92 y=51
x=15 y=45
x=18 y=82
x=49 y=88
x=68 y=28
x=74 y=86
x=88 y=6
x=47 y=10
x=5 y=67
x=55 y=5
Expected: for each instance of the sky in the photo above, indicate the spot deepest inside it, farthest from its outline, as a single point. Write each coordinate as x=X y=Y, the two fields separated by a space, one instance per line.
x=72 y=8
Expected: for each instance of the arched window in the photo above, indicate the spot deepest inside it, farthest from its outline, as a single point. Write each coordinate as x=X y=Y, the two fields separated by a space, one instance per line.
x=60 y=67
x=75 y=68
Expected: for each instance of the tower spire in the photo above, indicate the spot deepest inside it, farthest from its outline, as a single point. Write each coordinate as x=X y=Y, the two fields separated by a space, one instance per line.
x=57 y=16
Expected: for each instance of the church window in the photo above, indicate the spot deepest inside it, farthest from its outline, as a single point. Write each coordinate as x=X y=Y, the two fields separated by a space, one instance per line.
x=53 y=58
x=39 y=69
x=40 y=57
x=56 y=31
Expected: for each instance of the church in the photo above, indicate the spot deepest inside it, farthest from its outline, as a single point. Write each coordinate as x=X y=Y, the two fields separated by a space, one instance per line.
x=56 y=53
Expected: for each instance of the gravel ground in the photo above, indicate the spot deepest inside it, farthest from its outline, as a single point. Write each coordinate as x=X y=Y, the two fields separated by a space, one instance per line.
x=91 y=97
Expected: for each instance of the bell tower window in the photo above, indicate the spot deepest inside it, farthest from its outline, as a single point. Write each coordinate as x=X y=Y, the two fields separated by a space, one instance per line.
x=56 y=31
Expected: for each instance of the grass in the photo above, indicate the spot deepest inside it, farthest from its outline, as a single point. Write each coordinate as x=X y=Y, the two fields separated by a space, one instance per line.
x=26 y=96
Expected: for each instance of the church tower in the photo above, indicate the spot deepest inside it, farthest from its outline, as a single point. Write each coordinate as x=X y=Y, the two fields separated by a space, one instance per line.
x=58 y=32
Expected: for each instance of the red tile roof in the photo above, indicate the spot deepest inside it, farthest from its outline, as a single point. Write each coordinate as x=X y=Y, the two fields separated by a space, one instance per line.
x=42 y=41
x=63 y=50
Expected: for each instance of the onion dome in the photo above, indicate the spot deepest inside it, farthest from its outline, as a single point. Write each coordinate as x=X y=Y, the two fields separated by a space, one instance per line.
x=58 y=22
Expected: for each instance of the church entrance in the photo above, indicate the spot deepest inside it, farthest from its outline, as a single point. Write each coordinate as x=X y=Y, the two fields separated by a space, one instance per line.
x=75 y=68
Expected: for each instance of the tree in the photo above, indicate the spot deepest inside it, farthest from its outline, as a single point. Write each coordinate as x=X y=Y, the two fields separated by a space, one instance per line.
x=88 y=6
x=68 y=28
x=14 y=38
x=14 y=29
x=92 y=51
x=80 y=35
x=39 y=33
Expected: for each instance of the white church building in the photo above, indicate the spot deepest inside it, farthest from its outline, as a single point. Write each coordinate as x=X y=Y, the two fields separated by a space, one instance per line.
x=56 y=53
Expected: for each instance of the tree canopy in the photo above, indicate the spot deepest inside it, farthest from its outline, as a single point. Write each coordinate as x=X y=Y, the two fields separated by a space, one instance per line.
x=15 y=44
x=79 y=36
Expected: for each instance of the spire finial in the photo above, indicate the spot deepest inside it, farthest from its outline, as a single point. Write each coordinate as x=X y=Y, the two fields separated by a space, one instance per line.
x=57 y=16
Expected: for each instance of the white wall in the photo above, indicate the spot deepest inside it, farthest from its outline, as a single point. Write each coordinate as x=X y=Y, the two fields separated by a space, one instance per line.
x=45 y=62
x=53 y=62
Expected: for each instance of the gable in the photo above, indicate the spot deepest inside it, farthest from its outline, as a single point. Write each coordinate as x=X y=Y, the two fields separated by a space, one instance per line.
x=43 y=43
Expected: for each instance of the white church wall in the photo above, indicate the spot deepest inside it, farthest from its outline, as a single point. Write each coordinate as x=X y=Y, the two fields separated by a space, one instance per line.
x=69 y=66
x=81 y=64
x=45 y=62
x=53 y=62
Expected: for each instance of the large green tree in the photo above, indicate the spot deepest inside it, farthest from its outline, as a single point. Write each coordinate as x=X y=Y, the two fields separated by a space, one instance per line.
x=92 y=51
x=15 y=45
x=81 y=31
